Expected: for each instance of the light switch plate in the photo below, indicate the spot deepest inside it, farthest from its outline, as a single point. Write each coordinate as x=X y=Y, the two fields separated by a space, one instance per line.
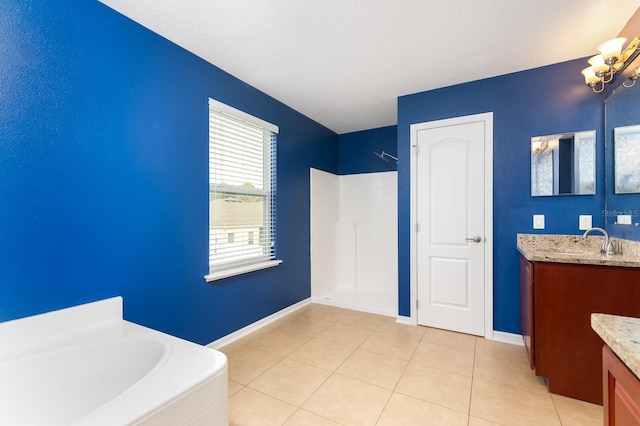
x=624 y=219
x=585 y=222
x=538 y=221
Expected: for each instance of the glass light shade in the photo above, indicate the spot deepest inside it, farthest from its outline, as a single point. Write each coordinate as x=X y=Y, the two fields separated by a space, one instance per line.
x=598 y=65
x=590 y=76
x=612 y=48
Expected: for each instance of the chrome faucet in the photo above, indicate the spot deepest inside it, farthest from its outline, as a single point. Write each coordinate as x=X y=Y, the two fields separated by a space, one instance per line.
x=608 y=245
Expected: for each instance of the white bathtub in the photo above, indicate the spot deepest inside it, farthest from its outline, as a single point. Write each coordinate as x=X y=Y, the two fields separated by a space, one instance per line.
x=87 y=366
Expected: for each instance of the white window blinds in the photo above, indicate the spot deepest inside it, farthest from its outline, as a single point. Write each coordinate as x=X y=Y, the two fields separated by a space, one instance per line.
x=242 y=182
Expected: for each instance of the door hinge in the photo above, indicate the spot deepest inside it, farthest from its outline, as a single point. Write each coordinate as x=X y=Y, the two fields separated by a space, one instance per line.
x=417 y=147
x=417 y=305
x=417 y=227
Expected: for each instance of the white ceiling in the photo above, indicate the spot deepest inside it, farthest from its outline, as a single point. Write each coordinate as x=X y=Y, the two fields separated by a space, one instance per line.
x=344 y=63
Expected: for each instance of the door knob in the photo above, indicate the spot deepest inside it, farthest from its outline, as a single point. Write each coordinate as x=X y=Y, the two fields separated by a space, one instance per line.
x=475 y=239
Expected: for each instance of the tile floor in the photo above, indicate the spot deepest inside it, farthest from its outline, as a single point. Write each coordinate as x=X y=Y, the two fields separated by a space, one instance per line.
x=328 y=366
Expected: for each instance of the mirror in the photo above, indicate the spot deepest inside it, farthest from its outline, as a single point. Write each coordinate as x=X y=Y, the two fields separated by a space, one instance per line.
x=622 y=162
x=626 y=159
x=563 y=164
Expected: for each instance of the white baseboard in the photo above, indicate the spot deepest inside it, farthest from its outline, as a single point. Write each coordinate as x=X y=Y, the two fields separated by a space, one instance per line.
x=498 y=336
x=512 y=338
x=245 y=331
x=352 y=306
x=405 y=320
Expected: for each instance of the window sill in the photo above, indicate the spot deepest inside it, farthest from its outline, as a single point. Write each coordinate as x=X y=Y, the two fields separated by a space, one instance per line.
x=241 y=270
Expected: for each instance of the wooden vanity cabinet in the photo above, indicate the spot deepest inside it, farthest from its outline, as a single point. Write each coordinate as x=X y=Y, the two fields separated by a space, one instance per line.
x=621 y=389
x=557 y=300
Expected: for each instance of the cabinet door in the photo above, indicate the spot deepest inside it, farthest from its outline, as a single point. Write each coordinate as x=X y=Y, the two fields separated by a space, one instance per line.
x=567 y=351
x=621 y=389
x=526 y=307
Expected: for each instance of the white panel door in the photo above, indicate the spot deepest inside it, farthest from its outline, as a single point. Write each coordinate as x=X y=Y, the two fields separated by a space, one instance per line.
x=450 y=233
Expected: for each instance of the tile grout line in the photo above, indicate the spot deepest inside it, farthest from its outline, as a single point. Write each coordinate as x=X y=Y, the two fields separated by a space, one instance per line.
x=248 y=344
x=386 y=404
x=298 y=408
x=473 y=372
x=393 y=391
x=435 y=368
x=333 y=373
x=369 y=333
x=556 y=408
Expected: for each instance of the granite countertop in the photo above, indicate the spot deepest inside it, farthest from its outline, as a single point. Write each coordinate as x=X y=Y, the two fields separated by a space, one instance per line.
x=622 y=335
x=577 y=250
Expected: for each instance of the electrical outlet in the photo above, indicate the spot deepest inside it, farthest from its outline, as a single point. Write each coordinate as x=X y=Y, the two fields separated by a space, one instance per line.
x=585 y=222
x=624 y=219
x=538 y=221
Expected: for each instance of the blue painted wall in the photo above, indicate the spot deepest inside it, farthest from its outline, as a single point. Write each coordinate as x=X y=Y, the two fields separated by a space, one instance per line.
x=104 y=174
x=546 y=100
x=356 y=150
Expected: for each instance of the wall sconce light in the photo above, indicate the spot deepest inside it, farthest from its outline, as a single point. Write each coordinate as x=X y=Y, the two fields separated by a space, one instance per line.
x=541 y=148
x=612 y=59
x=633 y=77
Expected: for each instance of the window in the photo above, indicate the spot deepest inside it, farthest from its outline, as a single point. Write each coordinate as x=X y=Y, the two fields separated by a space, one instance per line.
x=242 y=182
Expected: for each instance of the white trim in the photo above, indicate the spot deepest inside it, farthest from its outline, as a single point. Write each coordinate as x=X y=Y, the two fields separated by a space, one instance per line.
x=511 y=338
x=219 y=106
x=405 y=320
x=245 y=331
x=353 y=306
x=488 y=224
x=241 y=270
x=488 y=211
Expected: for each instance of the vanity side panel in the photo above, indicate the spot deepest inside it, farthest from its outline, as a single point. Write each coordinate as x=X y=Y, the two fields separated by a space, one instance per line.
x=621 y=392
x=568 y=351
x=526 y=308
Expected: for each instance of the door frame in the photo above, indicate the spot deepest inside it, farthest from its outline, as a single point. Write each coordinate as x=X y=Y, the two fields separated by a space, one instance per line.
x=487 y=118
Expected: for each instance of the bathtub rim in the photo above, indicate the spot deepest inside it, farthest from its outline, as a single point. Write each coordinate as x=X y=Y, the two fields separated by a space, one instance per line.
x=187 y=366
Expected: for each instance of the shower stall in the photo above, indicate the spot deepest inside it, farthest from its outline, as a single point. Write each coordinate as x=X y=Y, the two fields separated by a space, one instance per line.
x=354 y=241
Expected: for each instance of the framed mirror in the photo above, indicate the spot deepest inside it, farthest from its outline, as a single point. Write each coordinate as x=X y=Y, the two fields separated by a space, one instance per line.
x=563 y=164
x=626 y=147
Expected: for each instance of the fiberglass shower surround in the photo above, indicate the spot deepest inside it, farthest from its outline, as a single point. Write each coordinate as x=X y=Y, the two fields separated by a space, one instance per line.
x=354 y=241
